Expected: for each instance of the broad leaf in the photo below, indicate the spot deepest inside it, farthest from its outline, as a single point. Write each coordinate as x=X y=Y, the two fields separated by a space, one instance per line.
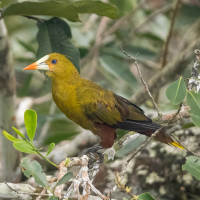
x=23 y=146
x=176 y=92
x=50 y=8
x=30 y=120
x=27 y=46
x=192 y=165
x=193 y=100
x=66 y=9
x=54 y=36
x=33 y=168
x=65 y=178
x=18 y=132
x=9 y=136
x=97 y=7
x=135 y=141
x=118 y=68
x=50 y=148
x=4 y=3
x=145 y=196
x=25 y=162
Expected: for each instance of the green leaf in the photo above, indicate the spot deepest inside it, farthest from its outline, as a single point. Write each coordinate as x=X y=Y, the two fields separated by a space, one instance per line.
x=193 y=100
x=30 y=119
x=65 y=9
x=23 y=146
x=18 y=132
x=50 y=148
x=25 y=169
x=97 y=7
x=4 y=3
x=131 y=146
x=33 y=168
x=65 y=179
x=9 y=136
x=50 y=8
x=176 y=92
x=27 y=46
x=54 y=36
x=192 y=165
x=145 y=196
x=118 y=68
x=188 y=14
x=53 y=198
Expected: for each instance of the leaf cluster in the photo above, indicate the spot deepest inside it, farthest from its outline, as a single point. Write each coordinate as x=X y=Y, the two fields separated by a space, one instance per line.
x=177 y=93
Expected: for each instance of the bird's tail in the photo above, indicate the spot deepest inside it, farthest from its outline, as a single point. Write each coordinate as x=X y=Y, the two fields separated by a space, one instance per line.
x=164 y=138
x=148 y=128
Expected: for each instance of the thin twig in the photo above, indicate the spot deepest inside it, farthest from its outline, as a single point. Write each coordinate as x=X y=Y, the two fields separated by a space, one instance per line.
x=34 y=18
x=150 y=17
x=27 y=193
x=94 y=51
x=121 y=21
x=195 y=154
x=11 y=187
x=122 y=187
x=143 y=81
x=175 y=66
x=41 y=194
x=166 y=45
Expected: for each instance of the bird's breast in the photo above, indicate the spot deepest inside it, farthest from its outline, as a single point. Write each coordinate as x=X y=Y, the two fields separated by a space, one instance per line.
x=65 y=97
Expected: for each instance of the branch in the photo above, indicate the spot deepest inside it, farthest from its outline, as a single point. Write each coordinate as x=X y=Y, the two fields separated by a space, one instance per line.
x=83 y=179
x=19 y=191
x=33 y=18
x=143 y=82
x=122 y=20
x=149 y=18
x=176 y=66
x=166 y=46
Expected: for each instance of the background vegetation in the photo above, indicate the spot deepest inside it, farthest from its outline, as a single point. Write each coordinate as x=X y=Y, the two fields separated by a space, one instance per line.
x=162 y=35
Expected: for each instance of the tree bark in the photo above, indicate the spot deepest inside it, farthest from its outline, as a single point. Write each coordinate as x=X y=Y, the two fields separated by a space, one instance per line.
x=8 y=155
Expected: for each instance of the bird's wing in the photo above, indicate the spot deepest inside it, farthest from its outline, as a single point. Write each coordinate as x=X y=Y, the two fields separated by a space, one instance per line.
x=105 y=107
x=101 y=109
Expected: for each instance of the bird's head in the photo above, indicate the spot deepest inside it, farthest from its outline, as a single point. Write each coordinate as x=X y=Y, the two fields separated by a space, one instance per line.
x=55 y=64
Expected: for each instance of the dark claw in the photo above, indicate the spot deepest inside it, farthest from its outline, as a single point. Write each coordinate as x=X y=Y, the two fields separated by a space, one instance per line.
x=95 y=156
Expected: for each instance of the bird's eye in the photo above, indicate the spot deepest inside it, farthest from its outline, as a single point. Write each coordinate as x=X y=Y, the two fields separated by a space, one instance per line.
x=54 y=61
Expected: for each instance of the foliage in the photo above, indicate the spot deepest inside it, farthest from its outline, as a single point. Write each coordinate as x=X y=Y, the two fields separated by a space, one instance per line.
x=54 y=36
x=192 y=165
x=26 y=145
x=193 y=100
x=177 y=92
x=33 y=168
x=145 y=196
x=112 y=69
x=67 y=9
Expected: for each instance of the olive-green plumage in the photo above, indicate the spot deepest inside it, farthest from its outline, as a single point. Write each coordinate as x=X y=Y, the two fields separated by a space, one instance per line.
x=93 y=107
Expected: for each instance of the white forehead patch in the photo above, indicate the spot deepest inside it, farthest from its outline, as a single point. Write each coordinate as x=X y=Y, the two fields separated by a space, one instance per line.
x=41 y=63
x=43 y=59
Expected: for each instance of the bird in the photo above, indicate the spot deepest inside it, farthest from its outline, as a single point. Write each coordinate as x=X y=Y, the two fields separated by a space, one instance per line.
x=93 y=107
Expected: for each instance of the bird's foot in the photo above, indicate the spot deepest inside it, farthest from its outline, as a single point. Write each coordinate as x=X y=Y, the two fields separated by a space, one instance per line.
x=95 y=155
